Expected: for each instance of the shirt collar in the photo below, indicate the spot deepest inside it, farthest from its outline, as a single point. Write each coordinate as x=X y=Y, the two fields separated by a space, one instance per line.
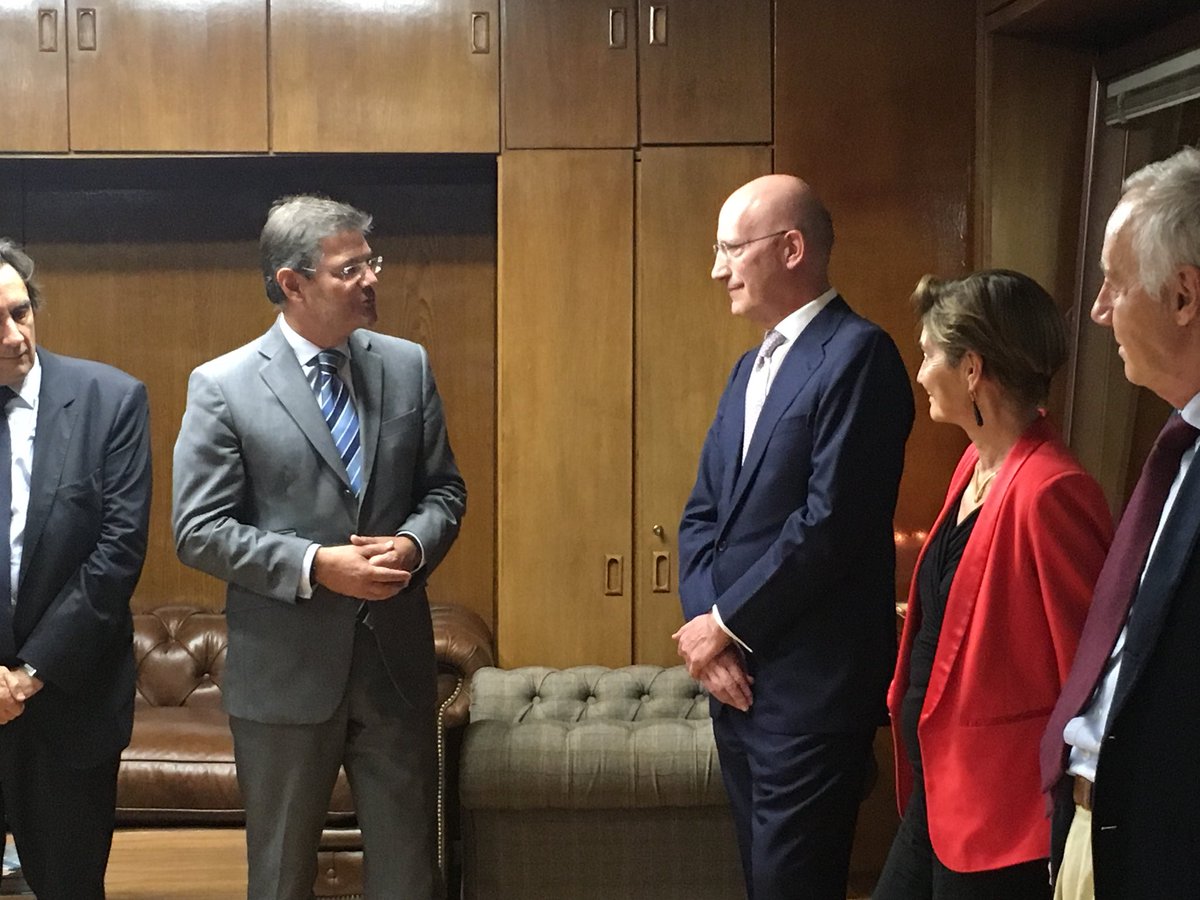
x=305 y=349
x=796 y=321
x=1191 y=412
x=28 y=392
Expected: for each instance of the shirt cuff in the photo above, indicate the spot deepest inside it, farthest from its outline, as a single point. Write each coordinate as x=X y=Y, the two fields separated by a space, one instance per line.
x=420 y=550
x=305 y=588
x=716 y=614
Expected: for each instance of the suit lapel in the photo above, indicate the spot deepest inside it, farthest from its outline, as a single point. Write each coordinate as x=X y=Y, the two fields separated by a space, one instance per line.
x=802 y=360
x=1160 y=585
x=55 y=421
x=735 y=424
x=285 y=379
x=367 y=371
x=968 y=577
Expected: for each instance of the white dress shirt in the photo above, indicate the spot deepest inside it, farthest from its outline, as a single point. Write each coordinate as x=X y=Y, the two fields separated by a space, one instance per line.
x=1085 y=732
x=758 y=387
x=22 y=426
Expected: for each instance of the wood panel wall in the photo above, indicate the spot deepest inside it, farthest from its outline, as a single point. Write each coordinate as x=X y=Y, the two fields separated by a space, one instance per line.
x=875 y=107
x=152 y=266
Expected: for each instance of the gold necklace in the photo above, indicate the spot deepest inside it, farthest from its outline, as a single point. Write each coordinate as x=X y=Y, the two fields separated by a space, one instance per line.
x=977 y=487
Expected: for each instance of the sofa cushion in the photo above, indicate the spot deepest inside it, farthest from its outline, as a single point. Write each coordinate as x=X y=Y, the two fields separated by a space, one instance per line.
x=589 y=738
x=178 y=770
x=180 y=655
x=629 y=694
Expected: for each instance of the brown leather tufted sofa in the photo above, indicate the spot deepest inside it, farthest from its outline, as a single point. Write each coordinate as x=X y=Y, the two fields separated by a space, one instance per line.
x=178 y=769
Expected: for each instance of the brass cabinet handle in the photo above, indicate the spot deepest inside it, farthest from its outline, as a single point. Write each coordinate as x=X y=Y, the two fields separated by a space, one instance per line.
x=614 y=575
x=48 y=30
x=85 y=29
x=658 y=531
x=481 y=33
x=660 y=574
x=658 y=26
x=618 y=38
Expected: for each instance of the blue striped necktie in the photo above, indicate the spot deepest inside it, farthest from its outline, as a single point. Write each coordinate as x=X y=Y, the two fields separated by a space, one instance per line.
x=338 y=409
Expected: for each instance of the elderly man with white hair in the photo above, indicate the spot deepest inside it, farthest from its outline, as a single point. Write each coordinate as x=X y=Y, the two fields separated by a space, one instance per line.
x=1119 y=754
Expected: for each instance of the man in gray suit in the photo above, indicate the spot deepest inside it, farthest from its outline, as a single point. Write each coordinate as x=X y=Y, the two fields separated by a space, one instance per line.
x=313 y=474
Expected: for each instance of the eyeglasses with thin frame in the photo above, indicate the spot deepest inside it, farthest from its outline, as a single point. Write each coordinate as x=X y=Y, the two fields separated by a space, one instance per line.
x=733 y=249
x=352 y=271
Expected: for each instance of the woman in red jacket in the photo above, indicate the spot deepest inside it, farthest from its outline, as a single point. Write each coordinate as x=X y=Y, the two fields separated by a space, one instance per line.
x=998 y=600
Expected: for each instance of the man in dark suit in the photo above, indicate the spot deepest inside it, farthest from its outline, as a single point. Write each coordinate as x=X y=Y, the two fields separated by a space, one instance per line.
x=313 y=474
x=1119 y=753
x=787 y=557
x=75 y=507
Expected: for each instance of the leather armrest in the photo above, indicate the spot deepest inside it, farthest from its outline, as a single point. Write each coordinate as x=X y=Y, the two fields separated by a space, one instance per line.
x=463 y=644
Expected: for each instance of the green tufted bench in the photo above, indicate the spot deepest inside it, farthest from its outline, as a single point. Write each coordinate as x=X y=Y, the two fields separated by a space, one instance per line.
x=593 y=783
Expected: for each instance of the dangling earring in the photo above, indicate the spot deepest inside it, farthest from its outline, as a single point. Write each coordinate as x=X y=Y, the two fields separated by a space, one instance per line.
x=975 y=408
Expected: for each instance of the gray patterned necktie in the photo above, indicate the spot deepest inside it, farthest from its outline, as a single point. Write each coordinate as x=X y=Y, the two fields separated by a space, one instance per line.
x=757 y=386
x=772 y=342
x=338 y=409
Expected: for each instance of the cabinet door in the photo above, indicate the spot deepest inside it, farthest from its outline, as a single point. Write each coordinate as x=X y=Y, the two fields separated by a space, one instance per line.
x=385 y=76
x=686 y=341
x=705 y=71
x=33 y=116
x=178 y=77
x=570 y=73
x=565 y=407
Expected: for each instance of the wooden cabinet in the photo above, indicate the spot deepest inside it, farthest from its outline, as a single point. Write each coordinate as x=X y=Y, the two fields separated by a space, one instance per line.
x=186 y=76
x=570 y=74
x=145 y=77
x=705 y=72
x=33 y=116
x=385 y=76
x=702 y=72
x=191 y=76
x=564 y=385
x=608 y=379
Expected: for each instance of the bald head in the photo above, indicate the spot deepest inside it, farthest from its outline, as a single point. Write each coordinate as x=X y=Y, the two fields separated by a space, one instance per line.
x=779 y=202
x=774 y=239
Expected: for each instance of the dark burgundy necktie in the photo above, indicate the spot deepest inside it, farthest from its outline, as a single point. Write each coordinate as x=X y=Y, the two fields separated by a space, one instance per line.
x=1117 y=586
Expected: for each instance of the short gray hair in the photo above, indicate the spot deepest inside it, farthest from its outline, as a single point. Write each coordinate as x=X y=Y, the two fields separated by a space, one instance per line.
x=296 y=225
x=12 y=255
x=1164 y=198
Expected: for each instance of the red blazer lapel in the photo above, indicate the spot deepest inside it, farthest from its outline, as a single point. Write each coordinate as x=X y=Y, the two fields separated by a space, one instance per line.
x=968 y=579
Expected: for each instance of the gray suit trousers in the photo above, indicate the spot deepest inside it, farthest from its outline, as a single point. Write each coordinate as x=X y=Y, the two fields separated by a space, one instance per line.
x=287 y=772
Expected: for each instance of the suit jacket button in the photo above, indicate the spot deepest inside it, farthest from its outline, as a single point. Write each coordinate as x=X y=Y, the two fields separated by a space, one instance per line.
x=721 y=545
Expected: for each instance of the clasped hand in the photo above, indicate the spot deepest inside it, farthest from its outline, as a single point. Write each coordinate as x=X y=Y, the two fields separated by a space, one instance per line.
x=714 y=661
x=16 y=686
x=368 y=568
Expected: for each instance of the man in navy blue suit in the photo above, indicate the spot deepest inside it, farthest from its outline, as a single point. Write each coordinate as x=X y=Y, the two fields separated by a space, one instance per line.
x=74 y=512
x=787 y=560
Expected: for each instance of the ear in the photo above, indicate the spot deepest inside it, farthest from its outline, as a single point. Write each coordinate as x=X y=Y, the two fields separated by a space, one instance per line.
x=1186 y=295
x=290 y=282
x=971 y=366
x=794 y=241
